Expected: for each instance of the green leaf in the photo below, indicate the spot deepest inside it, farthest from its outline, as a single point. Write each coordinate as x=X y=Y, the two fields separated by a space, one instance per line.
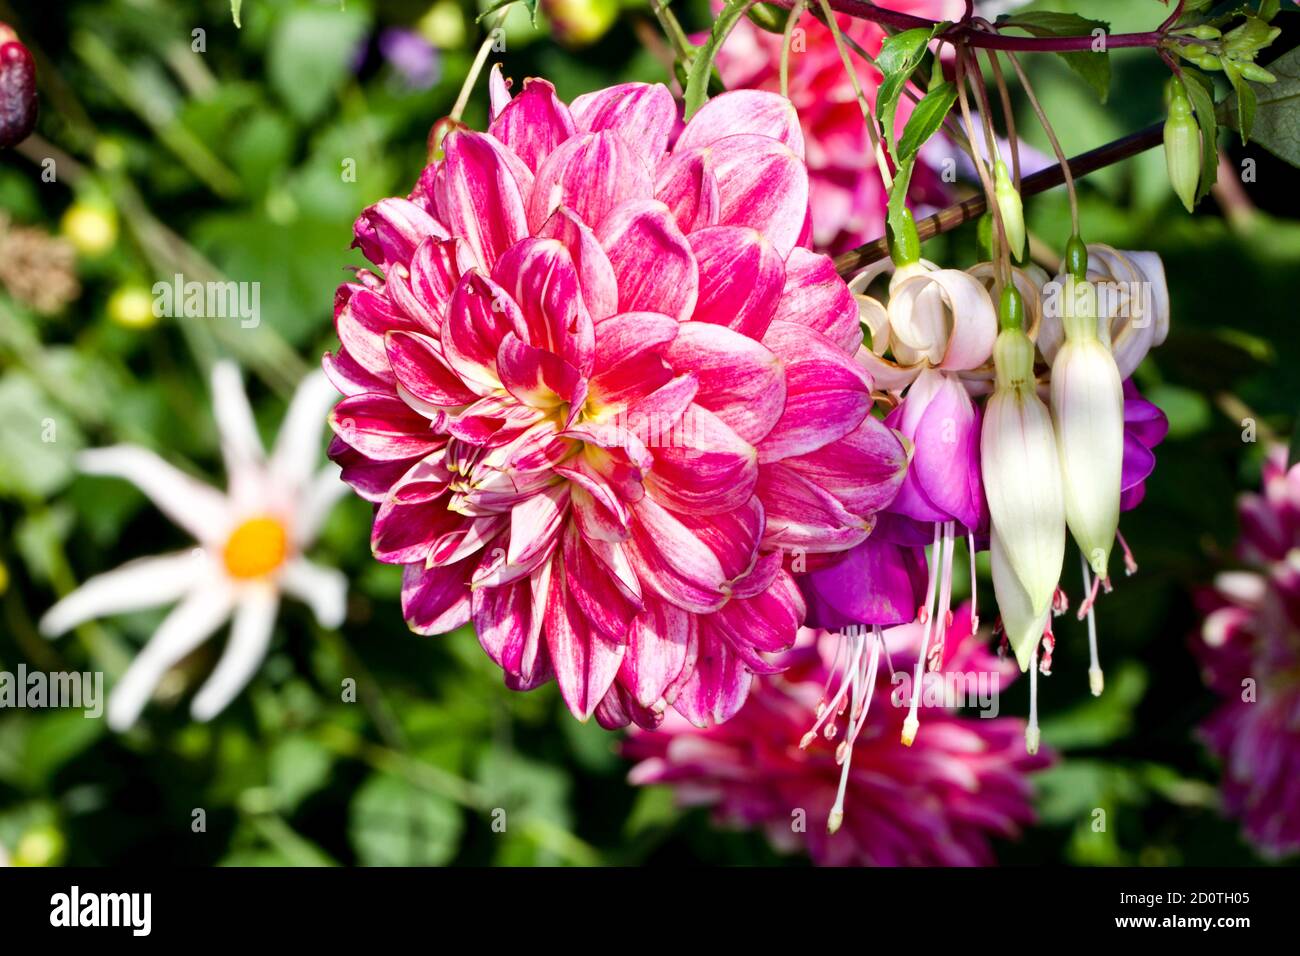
x=1276 y=117
x=926 y=119
x=38 y=437
x=1091 y=65
x=1200 y=90
x=297 y=766
x=899 y=56
x=701 y=68
x=310 y=56
x=393 y=823
x=1246 y=99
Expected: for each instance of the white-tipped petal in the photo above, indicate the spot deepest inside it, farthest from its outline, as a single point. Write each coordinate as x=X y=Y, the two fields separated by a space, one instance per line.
x=1088 y=409
x=299 y=446
x=194 y=506
x=188 y=625
x=249 y=636
x=241 y=446
x=139 y=584
x=324 y=590
x=1023 y=626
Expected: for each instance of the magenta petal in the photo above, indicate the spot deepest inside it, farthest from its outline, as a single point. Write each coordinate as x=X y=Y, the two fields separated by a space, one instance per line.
x=740 y=380
x=534 y=123
x=827 y=393
x=362 y=323
x=877 y=582
x=540 y=276
x=480 y=190
x=765 y=622
x=595 y=592
x=346 y=375
x=686 y=184
x=537 y=378
x=717 y=686
x=733 y=537
x=744 y=111
x=816 y=296
x=675 y=563
x=641 y=113
x=504 y=624
x=404 y=533
x=436 y=600
x=945 y=465
x=804 y=515
x=480 y=316
x=595 y=274
x=390 y=230
x=741 y=278
x=653 y=261
x=628 y=335
x=585 y=663
x=369 y=478
x=864 y=469
x=383 y=427
x=418 y=364
x=657 y=650
x=591 y=174
x=702 y=466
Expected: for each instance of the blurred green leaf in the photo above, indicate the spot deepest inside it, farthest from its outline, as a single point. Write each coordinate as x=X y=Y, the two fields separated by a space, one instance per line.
x=298 y=766
x=393 y=823
x=39 y=439
x=311 y=54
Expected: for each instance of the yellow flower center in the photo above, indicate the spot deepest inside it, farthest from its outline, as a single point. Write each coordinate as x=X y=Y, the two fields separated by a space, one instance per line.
x=256 y=548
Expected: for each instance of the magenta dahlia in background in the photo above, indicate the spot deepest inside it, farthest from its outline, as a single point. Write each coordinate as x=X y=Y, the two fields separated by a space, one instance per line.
x=1250 y=656
x=941 y=801
x=605 y=399
x=848 y=198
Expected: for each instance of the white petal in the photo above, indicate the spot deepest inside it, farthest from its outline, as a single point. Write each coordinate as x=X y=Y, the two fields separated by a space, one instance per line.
x=249 y=636
x=324 y=590
x=188 y=625
x=298 y=447
x=146 y=582
x=1022 y=626
x=198 y=508
x=241 y=446
x=315 y=504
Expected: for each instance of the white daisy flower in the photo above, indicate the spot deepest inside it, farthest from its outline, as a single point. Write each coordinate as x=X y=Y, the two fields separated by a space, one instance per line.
x=250 y=544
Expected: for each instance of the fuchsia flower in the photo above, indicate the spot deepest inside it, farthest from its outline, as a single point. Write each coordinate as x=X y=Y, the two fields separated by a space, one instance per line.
x=1251 y=658
x=848 y=198
x=1145 y=426
x=939 y=802
x=601 y=392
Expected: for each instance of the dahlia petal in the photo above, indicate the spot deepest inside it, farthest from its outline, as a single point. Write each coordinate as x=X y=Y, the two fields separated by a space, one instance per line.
x=534 y=123
x=417 y=363
x=657 y=648
x=761 y=184
x=538 y=379
x=368 y=477
x=595 y=274
x=653 y=261
x=347 y=375
x=540 y=276
x=827 y=393
x=740 y=380
x=436 y=600
x=733 y=537
x=717 y=686
x=480 y=315
x=434 y=273
x=675 y=563
x=687 y=185
x=390 y=230
x=744 y=111
x=801 y=514
x=864 y=469
x=629 y=334
x=642 y=113
x=816 y=296
x=585 y=662
x=362 y=324
x=768 y=621
x=383 y=427
x=596 y=595
x=536 y=523
x=741 y=278
x=480 y=193
x=701 y=466
x=467 y=538
x=591 y=174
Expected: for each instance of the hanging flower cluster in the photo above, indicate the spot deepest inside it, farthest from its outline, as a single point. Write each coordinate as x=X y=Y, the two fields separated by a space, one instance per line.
x=606 y=400
x=1250 y=657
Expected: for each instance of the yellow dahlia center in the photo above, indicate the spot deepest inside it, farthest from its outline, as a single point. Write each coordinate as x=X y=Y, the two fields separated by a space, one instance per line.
x=256 y=548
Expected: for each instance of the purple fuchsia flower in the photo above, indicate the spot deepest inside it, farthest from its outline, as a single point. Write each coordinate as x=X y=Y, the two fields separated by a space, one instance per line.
x=604 y=397
x=940 y=802
x=1145 y=427
x=1249 y=649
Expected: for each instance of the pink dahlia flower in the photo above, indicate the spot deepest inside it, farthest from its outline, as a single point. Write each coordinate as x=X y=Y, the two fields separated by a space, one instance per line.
x=848 y=198
x=938 y=802
x=605 y=399
x=1250 y=656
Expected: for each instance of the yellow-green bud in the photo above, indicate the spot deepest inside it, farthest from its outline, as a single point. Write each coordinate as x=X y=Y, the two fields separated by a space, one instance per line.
x=1182 y=145
x=769 y=17
x=1256 y=73
x=1013 y=213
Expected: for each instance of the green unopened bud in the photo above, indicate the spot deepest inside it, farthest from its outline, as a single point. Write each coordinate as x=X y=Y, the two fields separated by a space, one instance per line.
x=1076 y=257
x=769 y=16
x=1202 y=32
x=1256 y=73
x=1182 y=145
x=1207 y=61
x=905 y=244
x=1013 y=213
x=1011 y=310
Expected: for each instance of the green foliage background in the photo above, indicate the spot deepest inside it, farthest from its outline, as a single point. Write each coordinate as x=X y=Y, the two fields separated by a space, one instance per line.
x=228 y=163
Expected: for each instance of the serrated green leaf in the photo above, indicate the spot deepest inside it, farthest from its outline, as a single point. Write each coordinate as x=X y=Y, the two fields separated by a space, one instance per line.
x=1276 y=119
x=701 y=69
x=1200 y=90
x=926 y=119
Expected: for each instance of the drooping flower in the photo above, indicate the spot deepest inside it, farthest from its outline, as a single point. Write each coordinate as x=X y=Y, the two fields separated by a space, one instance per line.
x=1145 y=427
x=848 y=198
x=250 y=544
x=939 y=802
x=1250 y=657
x=602 y=394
